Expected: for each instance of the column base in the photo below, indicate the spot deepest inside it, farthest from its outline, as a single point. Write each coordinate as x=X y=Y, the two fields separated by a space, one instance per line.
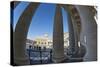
x=59 y=60
x=21 y=61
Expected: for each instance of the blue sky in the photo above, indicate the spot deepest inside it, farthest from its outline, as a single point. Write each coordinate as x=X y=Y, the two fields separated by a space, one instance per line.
x=42 y=21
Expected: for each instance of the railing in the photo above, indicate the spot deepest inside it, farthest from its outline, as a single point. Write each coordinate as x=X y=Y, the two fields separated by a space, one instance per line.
x=43 y=56
x=37 y=56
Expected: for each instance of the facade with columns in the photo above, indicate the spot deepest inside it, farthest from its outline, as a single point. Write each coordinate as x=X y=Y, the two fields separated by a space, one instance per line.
x=46 y=41
x=82 y=31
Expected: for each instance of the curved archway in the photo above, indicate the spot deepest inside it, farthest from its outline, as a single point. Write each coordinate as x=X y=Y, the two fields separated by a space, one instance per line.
x=88 y=35
x=84 y=27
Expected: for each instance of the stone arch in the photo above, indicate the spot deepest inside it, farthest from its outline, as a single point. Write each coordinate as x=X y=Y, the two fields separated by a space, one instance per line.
x=88 y=34
x=86 y=30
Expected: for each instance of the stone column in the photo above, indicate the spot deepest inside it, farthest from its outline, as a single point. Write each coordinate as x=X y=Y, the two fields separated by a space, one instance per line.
x=20 y=35
x=76 y=36
x=58 y=38
x=88 y=33
x=72 y=32
x=71 y=36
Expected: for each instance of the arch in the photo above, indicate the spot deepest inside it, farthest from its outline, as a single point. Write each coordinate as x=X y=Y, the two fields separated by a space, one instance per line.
x=84 y=27
x=88 y=35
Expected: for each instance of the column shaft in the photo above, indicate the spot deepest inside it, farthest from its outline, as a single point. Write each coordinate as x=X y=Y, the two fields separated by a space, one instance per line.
x=20 y=35
x=71 y=35
x=76 y=35
x=58 y=38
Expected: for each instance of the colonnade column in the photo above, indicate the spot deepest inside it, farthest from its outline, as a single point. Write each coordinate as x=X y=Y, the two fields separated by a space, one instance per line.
x=20 y=35
x=76 y=36
x=72 y=32
x=58 y=38
x=71 y=36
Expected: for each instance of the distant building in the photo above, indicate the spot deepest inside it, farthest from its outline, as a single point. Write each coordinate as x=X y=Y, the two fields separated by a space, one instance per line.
x=42 y=42
x=66 y=39
x=45 y=41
